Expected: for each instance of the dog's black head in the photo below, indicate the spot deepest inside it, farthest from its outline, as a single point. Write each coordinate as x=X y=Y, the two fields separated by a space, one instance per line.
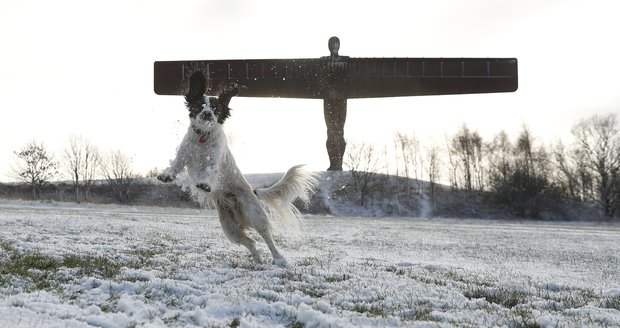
x=203 y=109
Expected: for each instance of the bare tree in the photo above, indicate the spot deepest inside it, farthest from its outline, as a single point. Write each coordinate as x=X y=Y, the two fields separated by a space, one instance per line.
x=466 y=147
x=573 y=176
x=454 y=167
x=598 y=143
x=81 y=160
x=116 y=168
x=412 y=159
x=388 y=184
x=519 y=174
x=35 y=166
x=524 y=152
x=152 y=173
x=401 y=143
x=499 y=154
x=433 y=170
x=397 y=173
x=92 y=167
x=363 y=165
x=584 y=174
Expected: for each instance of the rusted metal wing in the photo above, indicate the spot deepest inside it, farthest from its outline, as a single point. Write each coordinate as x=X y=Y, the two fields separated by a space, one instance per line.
x=345 y=77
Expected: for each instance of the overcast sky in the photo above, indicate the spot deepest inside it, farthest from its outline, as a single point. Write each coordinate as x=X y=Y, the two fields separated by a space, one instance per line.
x=86 y=68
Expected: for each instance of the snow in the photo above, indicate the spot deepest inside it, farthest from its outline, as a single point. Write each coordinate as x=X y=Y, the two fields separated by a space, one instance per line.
x=158 y=267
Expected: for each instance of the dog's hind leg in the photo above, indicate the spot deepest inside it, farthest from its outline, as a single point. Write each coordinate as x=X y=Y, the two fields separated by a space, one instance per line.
x=260 y=222
x=236 y=232
x=256 y=217
x=278 y=259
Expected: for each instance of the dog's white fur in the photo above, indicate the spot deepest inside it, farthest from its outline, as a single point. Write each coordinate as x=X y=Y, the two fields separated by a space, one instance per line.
x=214 y=178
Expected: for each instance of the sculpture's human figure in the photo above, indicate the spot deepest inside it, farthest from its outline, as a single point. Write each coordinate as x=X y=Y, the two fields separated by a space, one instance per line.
x=335 y=112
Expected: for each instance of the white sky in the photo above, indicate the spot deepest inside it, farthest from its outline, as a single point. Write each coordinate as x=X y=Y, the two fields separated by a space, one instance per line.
x=86 y=68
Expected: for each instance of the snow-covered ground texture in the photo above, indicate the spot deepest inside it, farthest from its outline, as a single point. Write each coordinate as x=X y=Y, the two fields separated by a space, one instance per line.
x=66 y=265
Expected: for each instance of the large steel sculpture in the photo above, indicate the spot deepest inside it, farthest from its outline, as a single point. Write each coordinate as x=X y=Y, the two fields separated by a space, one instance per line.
x=336 y=78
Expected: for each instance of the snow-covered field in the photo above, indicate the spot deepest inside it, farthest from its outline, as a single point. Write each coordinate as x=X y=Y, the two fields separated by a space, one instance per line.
x=114 y=266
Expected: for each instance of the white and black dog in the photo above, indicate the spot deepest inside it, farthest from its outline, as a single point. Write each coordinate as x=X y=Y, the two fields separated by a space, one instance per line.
x=214 y=177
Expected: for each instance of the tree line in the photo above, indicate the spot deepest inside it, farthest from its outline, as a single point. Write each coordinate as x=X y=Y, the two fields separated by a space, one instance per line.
x=81 y=162
x=521 y=173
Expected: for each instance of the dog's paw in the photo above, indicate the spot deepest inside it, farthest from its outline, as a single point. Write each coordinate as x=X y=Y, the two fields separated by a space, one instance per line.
x=164 y=177
x=204 y=187
x=281 y=262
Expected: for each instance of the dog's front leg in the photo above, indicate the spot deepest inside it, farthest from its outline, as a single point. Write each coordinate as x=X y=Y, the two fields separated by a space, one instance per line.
x=170 y=173
x=176 y=165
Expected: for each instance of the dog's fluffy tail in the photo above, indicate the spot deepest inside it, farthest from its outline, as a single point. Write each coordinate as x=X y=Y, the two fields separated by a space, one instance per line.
x=278 y=199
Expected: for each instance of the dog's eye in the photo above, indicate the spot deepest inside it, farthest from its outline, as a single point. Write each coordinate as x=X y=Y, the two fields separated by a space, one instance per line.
x=194 y=109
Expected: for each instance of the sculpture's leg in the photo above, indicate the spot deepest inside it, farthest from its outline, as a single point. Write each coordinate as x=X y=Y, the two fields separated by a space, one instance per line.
x=335 y=111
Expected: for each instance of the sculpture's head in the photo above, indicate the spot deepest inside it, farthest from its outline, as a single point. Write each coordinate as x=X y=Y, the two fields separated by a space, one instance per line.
x=334 y=46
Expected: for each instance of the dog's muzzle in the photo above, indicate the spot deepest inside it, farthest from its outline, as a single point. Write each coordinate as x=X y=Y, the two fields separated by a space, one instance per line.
x=206 y=116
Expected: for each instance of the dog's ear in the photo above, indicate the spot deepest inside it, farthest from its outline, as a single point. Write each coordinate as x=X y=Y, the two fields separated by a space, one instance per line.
x=197 y=88
x=227 y=95
x=223 y=111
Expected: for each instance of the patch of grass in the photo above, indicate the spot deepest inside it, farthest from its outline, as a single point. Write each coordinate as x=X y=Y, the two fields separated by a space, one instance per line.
x=6 y=246
x=371 y=310
x=312 y=291
x=20 y=264
x=107 y=308
x=296 y=324
x=144 y=255
x=395 y=270
x=292 y=276
x=447 y=277
x=235 y=323
x=430 y=279
x=306 y=261
x=611 y=302
x=337 y=277
x=570 y=298
x=92 y=265
x=136 y=279
x=501 y=296
x=523 y=318
x=169 y=321
x=41 y=269
x=418 y=314
x=35 y=268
